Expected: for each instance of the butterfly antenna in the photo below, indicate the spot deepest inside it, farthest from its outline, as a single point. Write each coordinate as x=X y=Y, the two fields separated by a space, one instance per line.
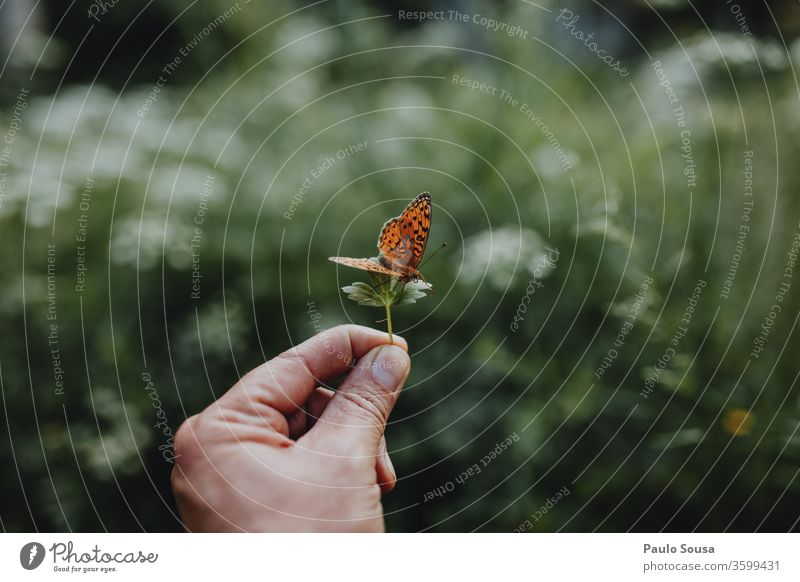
x=433 y=254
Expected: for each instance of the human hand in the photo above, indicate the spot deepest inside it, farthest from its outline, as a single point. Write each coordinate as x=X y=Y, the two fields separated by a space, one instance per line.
x=278 y=452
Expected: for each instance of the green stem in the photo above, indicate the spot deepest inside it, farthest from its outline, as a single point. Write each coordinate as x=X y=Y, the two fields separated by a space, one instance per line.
x=389 y=320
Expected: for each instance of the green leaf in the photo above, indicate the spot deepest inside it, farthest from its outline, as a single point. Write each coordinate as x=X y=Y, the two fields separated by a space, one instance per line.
x=411 y=292
x=386 y=291
x=363 y=294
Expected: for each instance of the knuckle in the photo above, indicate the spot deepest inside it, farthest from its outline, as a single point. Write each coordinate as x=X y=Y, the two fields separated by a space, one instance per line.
x=260 y=415
x=369 y=404
x=188 y=441
x=253 y=412
x=292 y=356
x=344 y=329
x=272 y=418
x=185 y=437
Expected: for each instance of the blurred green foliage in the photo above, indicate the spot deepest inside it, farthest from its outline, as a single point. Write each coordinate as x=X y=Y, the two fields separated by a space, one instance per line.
x=257 y=121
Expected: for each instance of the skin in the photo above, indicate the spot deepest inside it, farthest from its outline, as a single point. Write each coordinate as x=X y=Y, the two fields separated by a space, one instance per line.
x=280 y=453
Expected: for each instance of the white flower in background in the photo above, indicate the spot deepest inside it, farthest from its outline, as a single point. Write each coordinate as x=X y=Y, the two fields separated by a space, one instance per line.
x=222 y=328
x=144 y=241
x=708 y=53
x=117 y=448
x=302 y=43
x=497 y=254
x=407 y=107
x=547 y=162
x=178 y=185
x=697 y=66
x=736 y=50
x=76 y=111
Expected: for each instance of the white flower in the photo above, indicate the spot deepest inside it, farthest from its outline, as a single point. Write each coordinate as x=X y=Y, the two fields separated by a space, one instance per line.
x=497 y=254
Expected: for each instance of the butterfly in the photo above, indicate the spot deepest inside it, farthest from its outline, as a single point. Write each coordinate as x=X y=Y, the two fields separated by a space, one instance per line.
x=401 y=243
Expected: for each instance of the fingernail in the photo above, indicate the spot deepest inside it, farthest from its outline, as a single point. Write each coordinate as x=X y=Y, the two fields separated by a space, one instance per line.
x=389 y=464
x=398 y=340
x=390 y=366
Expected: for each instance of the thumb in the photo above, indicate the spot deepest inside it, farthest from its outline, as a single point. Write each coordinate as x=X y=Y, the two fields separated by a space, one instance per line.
x=354 y=420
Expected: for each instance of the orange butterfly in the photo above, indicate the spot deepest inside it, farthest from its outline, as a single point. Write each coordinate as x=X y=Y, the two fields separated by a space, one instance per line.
x=401 y=243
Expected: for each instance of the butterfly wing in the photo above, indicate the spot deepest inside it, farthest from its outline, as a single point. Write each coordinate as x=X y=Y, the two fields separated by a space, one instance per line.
x=403 y=239
x=364 y=265
x=391 y=244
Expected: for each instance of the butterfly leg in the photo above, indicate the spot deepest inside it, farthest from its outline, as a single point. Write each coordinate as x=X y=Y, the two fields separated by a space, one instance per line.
x=418 y=275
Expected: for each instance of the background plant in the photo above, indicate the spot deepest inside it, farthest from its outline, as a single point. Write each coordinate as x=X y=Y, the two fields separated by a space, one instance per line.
x=90 y=459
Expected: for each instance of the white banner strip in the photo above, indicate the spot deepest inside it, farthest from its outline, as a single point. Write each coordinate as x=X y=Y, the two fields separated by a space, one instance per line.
x=391 y=557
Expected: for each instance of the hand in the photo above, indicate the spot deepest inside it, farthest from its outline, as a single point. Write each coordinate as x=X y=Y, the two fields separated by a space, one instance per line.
x=278 y=452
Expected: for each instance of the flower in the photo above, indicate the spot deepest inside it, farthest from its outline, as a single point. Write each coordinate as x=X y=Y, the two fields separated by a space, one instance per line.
x=386 y=291
x=497 y=254
x=738 y=422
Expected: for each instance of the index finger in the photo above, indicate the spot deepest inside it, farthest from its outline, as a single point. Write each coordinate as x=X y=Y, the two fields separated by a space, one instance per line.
x=286 y=381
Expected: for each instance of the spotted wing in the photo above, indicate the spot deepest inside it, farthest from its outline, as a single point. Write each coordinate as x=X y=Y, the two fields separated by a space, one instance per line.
x=364 y=265
x=403 y=239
